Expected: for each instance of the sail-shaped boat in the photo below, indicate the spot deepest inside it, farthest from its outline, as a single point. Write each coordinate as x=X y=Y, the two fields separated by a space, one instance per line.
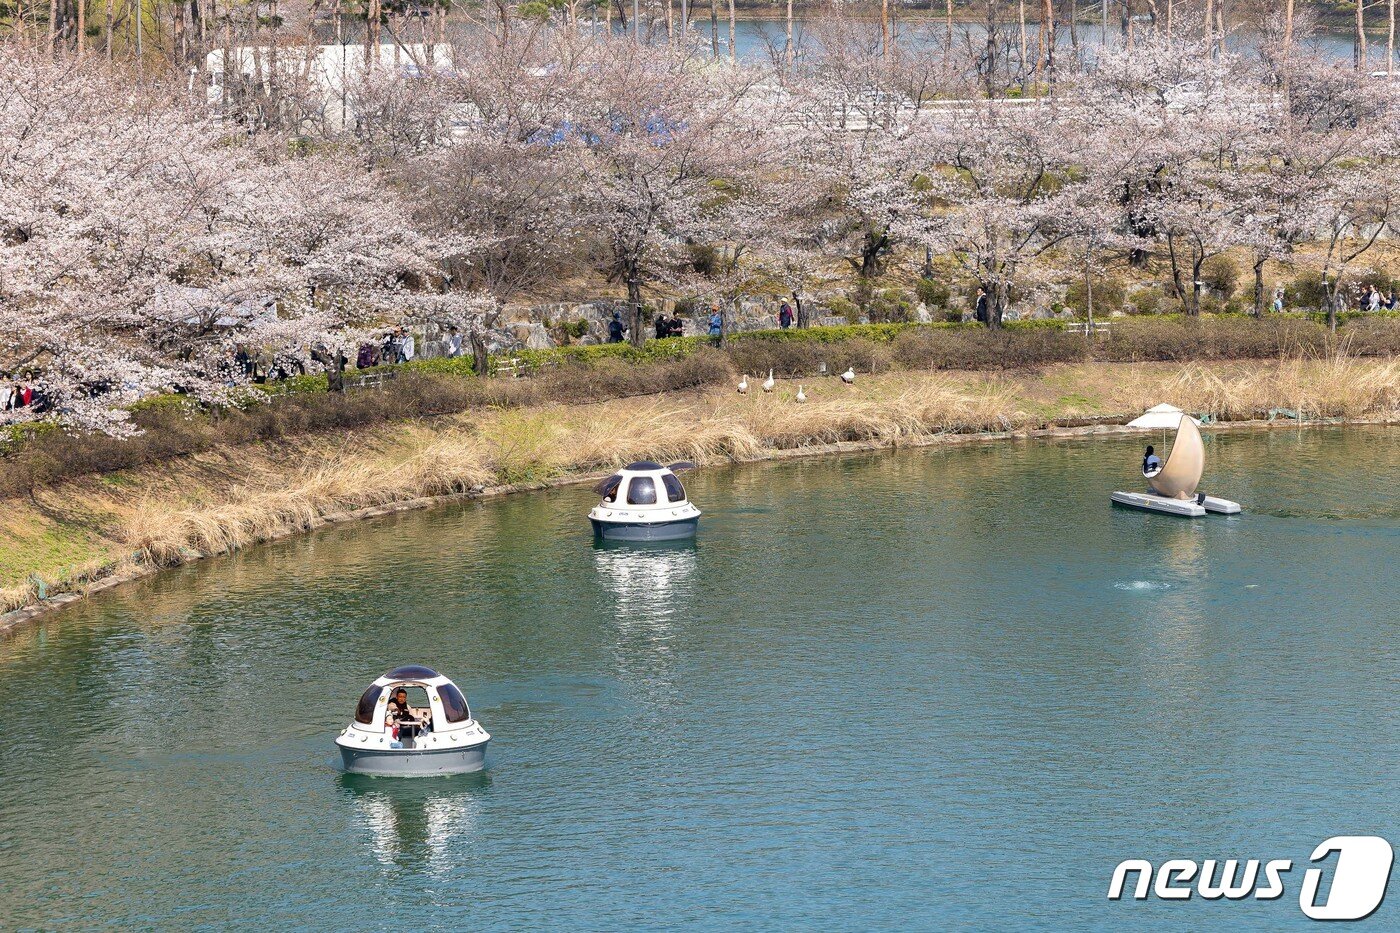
x=1172 y=487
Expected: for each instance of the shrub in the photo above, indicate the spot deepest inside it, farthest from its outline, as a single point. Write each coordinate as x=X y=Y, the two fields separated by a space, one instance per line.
x=1305 y=291
x=933 y=293
x=1179 y=337
x=845 y=308
x=975 y=347
x=804 y=357
x=704 y=259
x=1222 y=275
x=1108 y=296
x=1149 y=301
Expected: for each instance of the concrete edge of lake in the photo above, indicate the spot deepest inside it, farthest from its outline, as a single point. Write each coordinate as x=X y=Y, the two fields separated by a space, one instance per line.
x=1114 y=425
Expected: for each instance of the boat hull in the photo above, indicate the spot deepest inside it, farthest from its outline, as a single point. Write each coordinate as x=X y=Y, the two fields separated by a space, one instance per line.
x=397 y=762
x=645 y=531
x=1220 y=506
x=1148 y=502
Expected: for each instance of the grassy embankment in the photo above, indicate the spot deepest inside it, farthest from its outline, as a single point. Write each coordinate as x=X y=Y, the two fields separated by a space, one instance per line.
x=200 y=485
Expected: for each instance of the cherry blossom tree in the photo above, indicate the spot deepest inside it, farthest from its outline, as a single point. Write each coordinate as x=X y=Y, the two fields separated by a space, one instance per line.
x=989 y=194
x=141 y=245
x=652 y=141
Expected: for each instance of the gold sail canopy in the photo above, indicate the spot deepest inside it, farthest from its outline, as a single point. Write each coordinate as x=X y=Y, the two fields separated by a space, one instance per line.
x=1181 y=475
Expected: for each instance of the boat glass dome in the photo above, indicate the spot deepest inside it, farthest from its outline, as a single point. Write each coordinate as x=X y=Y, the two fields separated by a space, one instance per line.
x=412 y=672
x=608 y=487
x=674 y=490
x=454 y=705
x=364 y=711
x=641 y=491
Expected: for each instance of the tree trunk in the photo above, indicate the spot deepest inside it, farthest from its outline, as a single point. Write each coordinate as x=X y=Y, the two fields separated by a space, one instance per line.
x=81 y=41
x=1021 y=20
x=885 y=28
x=1197 y=261
x=634 y=298
x=1360 y=35
x=1259 y=286
x=1074 y=31
x=714 y=30
x=996 y=307
x=1390 y=43
x=991 y=61
x=1088 y=302
x=1047 y=13
x=871 y=252
x=787 y=49
x=1176 y=270
x=733 y=38
x=1288 y=25
x=481 y=360
x=335 y=372
x=179 y=51
x=372 y=35
x=802 y=320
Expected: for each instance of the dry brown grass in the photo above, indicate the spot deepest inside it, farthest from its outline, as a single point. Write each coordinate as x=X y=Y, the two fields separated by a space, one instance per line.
x=1332 y=388
x=227 y=499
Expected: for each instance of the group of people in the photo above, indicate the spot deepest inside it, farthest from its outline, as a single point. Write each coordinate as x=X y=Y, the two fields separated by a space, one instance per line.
x=397 y=346
x=1370 y=299
x=15 y=396
x=669 y=326
x=675 y=327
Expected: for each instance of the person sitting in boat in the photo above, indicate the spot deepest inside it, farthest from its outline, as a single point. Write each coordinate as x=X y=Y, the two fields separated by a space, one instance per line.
x=398 y=710
x=1151 y=463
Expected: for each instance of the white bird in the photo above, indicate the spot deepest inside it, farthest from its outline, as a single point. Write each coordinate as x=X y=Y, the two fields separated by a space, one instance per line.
x=768 y=383
x=849 y=376
x=744 y=385
x=801 y=396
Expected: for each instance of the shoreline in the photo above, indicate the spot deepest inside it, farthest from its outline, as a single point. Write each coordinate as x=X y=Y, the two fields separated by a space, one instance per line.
x=17 y=620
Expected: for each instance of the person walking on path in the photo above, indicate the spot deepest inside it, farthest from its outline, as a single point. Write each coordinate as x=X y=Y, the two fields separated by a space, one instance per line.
x=716 y=321
x=616 y=328
x=785 y=315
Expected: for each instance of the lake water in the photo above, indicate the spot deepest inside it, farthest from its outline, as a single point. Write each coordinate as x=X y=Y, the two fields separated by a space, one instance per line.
x=942 y=688
x=762 y=39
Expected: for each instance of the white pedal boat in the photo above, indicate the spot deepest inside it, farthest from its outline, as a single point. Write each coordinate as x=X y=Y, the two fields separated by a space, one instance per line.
x=644 y=501
x=1172 y=488
x=435 y=734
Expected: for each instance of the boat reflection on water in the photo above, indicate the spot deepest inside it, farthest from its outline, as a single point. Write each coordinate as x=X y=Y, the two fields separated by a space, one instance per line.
x=422 y=825
x=649 y=583
x=653 y=589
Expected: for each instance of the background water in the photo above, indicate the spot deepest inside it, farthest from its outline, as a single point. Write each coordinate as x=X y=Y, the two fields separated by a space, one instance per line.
x=932 y=689
x=760 y=40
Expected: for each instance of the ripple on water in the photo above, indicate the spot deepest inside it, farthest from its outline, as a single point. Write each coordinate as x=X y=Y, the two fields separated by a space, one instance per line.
x=1142 y=586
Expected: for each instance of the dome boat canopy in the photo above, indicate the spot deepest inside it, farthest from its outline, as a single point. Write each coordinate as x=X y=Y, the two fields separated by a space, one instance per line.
x=644 y=501
x=413 y=721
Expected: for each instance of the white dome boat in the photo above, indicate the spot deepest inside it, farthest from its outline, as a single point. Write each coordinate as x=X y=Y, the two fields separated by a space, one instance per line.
x=1172 y=486
x=432 y=732
x=644 y=501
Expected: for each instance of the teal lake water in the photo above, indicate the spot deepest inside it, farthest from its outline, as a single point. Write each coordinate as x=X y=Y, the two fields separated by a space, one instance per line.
x=943 y=688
